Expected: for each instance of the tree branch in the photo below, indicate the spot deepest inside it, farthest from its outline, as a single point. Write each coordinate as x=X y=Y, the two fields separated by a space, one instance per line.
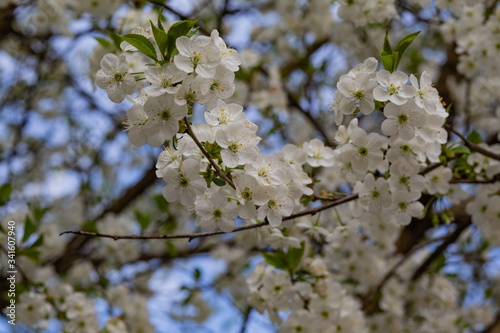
x=450 y=240
x=311 y=211
x=370 y=303
x=311 y=119
x=473 y=146
x=203 y=150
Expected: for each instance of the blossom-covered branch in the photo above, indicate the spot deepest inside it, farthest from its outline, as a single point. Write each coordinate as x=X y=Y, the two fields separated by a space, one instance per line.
x=311 y=211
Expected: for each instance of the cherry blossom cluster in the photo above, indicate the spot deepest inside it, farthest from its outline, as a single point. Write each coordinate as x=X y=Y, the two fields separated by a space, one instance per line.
x=473 y=34
x=414 y=117
x=263 y=187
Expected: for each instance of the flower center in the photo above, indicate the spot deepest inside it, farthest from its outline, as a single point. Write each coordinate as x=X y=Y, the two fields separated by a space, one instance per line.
x=392 y=89
x=246 y=194
x=217 y=213
x=402 y=205
x=233 y=147
x=118 y=77
x=165 y=83
x=406 y=148
x=271 y=203
x=363 y=151
x=165 y=115
x=359 y=94
x=195 y=59
x=184 y=182
x=402 y=118
x=214 y=85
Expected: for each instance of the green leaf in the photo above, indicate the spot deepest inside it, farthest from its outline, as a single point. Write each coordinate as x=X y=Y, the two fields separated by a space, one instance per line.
x=171 y=249
x=177 y=30
x=388 y=61
x=475 y=137
x=160 y=38
x=219 y=182
x=39 y=213
x=387 y=44
x=29 y=228
x=192 y=32
x=5 y=192
x=461 y=150
x=439 y=262
x=294 y=256
x=403 y=45
x=31 y=253
x=104 y=42
x=197 y=274
x=161 y=203
x=160 y=16
x=142 y=44
x=38 y=242
x=275 y=260
x=89 y=226
x=143 y=219
x=117 y=39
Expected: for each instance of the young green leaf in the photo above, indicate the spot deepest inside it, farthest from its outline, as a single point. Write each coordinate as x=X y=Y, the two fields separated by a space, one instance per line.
x=387 y=44
x=29 y=228
x=160 y=16
x=177 y=30
x=38 y=242
x=461 y=150
x=475 y=137
x=104 y=42
x=294 y=256
x=160 y=38
x=142 y=44
x=117 y=39
x=5 y=192
x=219 y=182
x=275 y=260
x=403 y=45
x=388 y=61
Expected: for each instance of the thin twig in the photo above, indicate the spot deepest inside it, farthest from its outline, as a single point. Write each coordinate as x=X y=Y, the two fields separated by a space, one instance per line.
x=429 y=168
x=473 y=146
x=246 y=317
x=203 y=150
x=494 y=179
x=311 y=211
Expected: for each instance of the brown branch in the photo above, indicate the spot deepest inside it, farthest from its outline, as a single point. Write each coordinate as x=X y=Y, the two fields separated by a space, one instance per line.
x=473 y=146
x=450 y=240
x=131 y=194
x=65 y=261
x=203 y=150
x=289 y=67
x=312 y=120
x=311 y=211
x=429 y=168
x=370 y=303
x=494 y=179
